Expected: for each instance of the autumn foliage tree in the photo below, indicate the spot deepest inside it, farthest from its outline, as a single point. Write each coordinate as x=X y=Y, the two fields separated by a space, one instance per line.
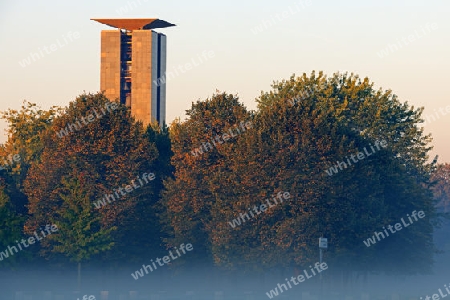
x=190 y=199
x=23 y=147
x=105 y=152
x=304 y=126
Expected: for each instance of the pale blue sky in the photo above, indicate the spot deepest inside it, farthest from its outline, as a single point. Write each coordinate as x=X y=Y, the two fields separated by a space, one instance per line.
x=324 y=35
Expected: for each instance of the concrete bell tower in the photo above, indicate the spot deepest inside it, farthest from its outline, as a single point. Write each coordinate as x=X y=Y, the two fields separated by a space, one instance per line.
x=133 y=58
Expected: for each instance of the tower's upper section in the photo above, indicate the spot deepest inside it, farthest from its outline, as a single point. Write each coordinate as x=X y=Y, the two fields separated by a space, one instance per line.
x=135 y=24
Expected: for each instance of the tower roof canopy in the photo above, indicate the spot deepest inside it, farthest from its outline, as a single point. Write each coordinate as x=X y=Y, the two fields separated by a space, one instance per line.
x=135 y=24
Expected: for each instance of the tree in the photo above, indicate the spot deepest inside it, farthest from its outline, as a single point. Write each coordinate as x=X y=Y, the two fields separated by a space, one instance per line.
x=190 y=198
x=24 y=145
x=337 y=117
x=302 y=127
x=98 y=143
x=80 y=235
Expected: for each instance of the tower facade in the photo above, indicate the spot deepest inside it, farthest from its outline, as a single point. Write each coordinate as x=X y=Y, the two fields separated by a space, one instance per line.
x=133 y=57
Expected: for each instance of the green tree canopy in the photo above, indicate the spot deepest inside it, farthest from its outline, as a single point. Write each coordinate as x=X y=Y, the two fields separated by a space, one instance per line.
x=304 y=126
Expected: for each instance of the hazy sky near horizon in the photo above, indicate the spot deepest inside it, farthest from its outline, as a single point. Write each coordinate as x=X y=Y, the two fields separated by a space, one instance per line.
x=253 y=43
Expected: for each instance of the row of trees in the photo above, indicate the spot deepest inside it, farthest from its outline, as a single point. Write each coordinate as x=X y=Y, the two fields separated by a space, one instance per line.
x=193 y=198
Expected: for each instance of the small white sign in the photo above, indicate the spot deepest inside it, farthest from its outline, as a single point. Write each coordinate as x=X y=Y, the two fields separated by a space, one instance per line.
x=323 y=243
